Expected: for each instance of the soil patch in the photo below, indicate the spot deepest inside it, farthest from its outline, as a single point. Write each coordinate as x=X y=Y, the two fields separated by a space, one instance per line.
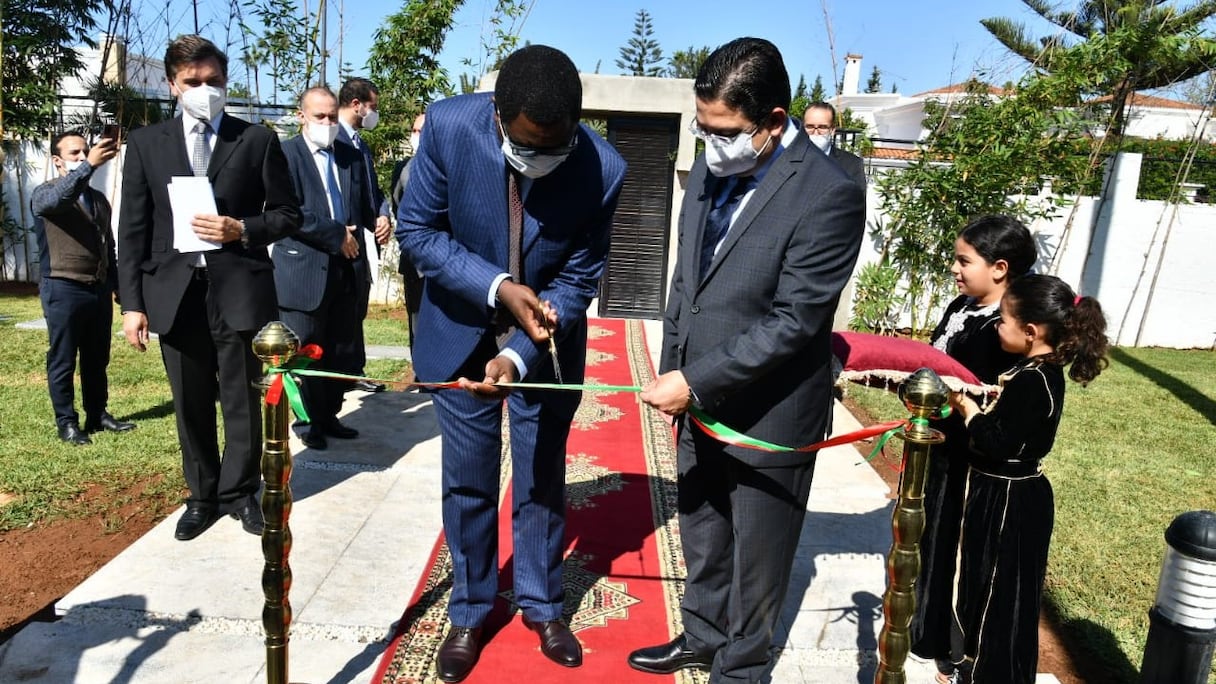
x=45 y=561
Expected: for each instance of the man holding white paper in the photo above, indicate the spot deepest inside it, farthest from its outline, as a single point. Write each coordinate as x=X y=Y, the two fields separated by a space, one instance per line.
x=206 y=306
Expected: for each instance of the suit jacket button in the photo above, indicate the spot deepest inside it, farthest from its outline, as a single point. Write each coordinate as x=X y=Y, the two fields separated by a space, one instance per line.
x=696 y=308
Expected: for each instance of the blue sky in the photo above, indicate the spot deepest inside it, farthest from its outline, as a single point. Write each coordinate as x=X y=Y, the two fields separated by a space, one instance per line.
x=917 y=45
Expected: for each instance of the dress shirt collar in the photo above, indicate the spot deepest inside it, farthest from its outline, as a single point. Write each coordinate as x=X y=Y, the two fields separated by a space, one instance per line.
x=189 y=121
x=787 y=138
x=350 y=130
x=312 y=147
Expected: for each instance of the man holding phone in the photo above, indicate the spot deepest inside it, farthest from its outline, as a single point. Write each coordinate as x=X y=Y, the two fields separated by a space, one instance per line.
x=77 y=285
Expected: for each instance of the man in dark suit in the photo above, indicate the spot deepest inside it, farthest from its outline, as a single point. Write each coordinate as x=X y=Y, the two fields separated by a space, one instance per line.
x=819 y=122
x=358 y=111
x=507 y=215
x=769 y=232
x=411 y=280
x=320 y=271
x=206 y=306
x=76 y=254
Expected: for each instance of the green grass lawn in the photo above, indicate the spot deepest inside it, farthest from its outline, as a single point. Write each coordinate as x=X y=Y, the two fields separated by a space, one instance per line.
x=1134 y=450
x=47 y=476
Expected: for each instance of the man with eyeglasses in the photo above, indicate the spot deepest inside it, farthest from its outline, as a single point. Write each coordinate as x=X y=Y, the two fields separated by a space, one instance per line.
x=769 y=233
x=507 y=217
x=819 y=122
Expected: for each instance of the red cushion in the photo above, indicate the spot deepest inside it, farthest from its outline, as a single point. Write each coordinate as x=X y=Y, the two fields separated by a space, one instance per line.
x=878 y=360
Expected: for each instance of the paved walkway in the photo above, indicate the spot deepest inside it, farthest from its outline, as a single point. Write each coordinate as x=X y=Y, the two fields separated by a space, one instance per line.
x=363 y=523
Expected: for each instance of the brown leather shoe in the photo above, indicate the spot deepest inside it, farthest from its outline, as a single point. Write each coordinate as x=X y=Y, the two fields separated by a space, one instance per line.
x=557 y=642
x=459 y=653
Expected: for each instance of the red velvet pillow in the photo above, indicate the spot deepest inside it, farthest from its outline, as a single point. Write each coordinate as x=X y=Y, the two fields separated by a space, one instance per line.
x=881 y=361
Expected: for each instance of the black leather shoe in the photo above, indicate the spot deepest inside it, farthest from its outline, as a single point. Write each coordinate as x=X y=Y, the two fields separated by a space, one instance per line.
x=668 y=658
x=250 y=515
x=315 y=439
x=72 y=434
x=368 y=386
x=334 y=428
x=557 y=642
x=197 y=518
x=458 y=653
x=109 y=424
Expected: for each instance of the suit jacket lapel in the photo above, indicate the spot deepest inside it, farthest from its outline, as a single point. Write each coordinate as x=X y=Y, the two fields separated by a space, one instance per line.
x=226 y=140
x=179 y=162
x=777 y=175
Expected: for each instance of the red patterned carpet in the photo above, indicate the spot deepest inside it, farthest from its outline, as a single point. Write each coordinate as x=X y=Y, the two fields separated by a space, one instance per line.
x=623 y=563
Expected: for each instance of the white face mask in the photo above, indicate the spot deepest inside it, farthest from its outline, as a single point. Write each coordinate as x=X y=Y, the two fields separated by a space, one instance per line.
x=203 y=102
x=415 y=138
x=733 y=156
x=321 y=135
x=823 y=142
x=70 y=166
x=370 y=119
x=532 y=167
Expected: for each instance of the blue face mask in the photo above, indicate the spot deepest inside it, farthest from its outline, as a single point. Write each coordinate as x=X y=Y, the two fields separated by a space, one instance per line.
x=535 y=166
x=535 y=162
x=730 y=156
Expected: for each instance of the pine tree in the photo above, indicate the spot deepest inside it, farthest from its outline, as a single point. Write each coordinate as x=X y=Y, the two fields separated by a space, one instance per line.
x=817 y=92
x=874 y=85
x=800 y=91
x=641 y=55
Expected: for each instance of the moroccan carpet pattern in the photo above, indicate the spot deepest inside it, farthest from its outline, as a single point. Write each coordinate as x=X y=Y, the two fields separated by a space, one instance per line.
x=595 y=599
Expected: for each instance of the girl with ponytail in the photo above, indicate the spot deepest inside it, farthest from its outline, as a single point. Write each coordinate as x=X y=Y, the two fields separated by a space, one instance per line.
x=1009 y=508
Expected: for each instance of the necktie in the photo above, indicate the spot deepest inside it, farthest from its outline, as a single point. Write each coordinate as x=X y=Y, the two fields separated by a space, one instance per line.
x=202 y=151
x=718 y=221
x=367 y=164
x=515 y=234
x=503 y=320
x=337 y=208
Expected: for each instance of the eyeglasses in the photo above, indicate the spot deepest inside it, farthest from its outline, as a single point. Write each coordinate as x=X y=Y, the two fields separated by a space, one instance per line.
x=818 y=128
x=696 y=130
x=525 y=152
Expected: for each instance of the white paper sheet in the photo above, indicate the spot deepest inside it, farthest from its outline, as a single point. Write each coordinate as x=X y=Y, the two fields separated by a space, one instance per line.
x=188 y=196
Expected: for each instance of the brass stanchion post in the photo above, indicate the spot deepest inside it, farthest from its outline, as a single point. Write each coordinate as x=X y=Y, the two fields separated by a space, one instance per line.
x=276 y=345
x=923 y=394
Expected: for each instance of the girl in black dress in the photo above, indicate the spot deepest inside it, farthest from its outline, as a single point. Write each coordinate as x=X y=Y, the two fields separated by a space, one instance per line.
x=990 y=252
x=1009 y=509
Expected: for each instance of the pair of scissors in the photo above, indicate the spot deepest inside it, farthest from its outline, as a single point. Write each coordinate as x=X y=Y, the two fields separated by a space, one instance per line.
x=557 y=369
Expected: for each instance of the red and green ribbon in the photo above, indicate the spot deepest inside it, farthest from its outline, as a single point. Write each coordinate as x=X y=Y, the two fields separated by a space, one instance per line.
x=285 y=382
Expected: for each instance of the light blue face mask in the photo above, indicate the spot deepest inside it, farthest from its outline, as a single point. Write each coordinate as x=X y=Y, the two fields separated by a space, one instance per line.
x=731 y=156
x=535 y=166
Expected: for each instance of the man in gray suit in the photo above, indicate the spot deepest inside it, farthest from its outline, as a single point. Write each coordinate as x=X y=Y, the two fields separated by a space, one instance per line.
x=769 y=233
x=819 y=122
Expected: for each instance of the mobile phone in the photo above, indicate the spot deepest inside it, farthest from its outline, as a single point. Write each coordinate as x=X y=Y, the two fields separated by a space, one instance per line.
x=112 y=131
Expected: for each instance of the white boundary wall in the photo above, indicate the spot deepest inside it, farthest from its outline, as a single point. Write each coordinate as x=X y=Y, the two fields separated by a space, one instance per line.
x=1138 y=247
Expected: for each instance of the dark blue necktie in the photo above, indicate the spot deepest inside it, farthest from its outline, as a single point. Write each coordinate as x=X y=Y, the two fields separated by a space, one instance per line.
x=367 y=164
x=335 y=191
x=718 y=221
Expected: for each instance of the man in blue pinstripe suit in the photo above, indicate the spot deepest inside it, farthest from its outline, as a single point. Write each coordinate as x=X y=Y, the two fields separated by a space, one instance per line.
x=487 y=312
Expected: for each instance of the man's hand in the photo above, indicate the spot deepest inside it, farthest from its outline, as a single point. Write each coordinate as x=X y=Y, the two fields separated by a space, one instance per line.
x=668 y=393
x=384 y=228
x=135 y=328
x=534 y=317
x=215 y=228
x=499 y=369
x=350 y=248
x=102 y=152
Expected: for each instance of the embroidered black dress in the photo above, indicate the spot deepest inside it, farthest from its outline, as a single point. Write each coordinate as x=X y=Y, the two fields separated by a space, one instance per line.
x=967 y=332
x=1008 y=515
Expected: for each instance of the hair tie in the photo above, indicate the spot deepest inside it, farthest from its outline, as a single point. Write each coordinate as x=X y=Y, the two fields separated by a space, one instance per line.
x=1076 y=300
